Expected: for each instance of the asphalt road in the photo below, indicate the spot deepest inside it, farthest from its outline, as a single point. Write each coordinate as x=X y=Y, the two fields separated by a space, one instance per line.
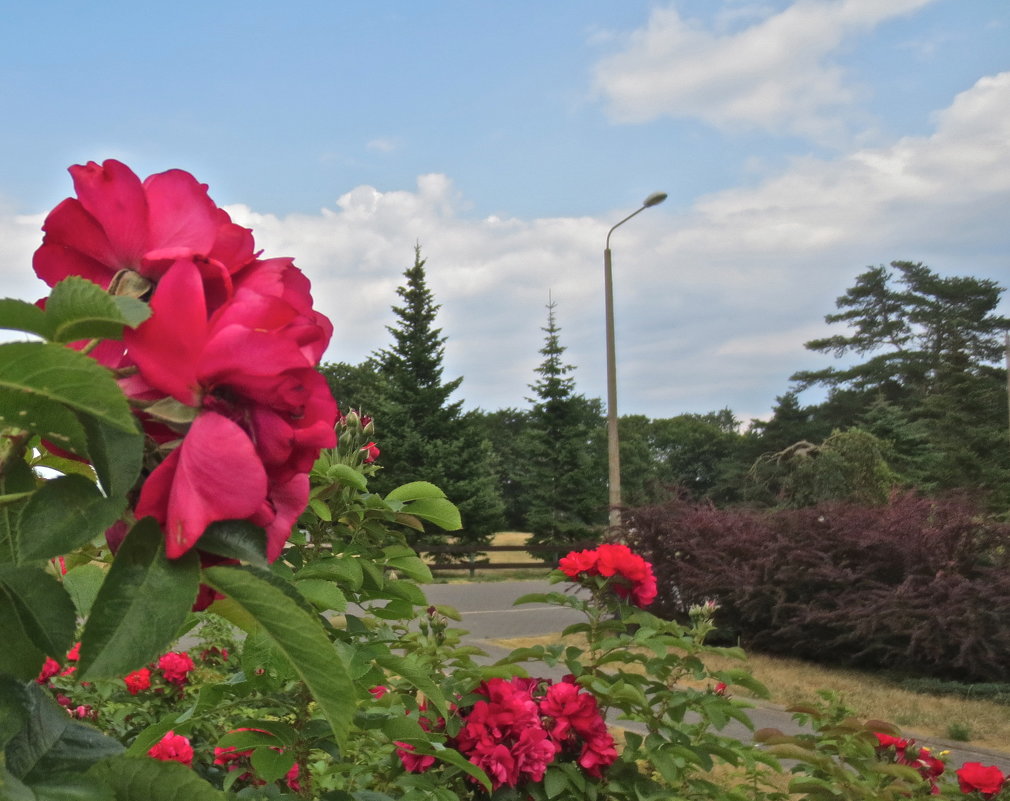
x=488 y=614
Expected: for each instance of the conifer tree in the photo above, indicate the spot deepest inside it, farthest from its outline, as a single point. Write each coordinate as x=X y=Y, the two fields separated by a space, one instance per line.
x=424 y=435
x=565 y=487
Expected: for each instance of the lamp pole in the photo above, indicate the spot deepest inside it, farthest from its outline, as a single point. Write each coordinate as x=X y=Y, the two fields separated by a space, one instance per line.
x=613 y=439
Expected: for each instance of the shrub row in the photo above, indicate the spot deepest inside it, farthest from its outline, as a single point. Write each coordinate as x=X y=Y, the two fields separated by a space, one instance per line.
x=920 y=586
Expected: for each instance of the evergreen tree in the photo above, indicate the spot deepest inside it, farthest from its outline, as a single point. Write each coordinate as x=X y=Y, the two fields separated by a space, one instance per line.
x=424 y=434
x=355 y=386
x=565 y=486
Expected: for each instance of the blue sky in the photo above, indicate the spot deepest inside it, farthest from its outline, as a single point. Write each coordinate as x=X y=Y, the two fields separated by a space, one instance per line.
x=799 y=142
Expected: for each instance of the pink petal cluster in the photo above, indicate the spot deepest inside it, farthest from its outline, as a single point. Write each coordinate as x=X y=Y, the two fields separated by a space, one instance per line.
x=632 y=577
x=233 y=342
x=173 y=748
x=520 y=726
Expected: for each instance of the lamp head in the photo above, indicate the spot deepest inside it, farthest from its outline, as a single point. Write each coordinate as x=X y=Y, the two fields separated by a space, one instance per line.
x=654 y=199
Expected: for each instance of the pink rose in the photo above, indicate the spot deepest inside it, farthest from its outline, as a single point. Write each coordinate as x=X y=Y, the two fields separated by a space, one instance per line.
x=173 y=748
x=175 y=667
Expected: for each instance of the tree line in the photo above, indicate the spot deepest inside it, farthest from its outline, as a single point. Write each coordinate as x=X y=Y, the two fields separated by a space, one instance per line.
x=921 y=403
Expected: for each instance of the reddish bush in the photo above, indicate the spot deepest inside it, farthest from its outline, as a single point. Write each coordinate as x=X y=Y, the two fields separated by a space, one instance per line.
x=919 y=585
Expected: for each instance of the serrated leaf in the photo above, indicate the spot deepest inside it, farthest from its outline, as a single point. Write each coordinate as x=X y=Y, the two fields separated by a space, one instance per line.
x=133 y=778
x=441 y=512
x=415 y=490
x=17 y=480
x=412 y=566
x=81 y=584
x=142 y=602
x=62 y=375
x=80 y=309
x=52 y=743
x=299 y=636
x=323 y=594
x=38 y=618
x=346 y=474
x=20 y=315
x=343 y=569
x=64 y=514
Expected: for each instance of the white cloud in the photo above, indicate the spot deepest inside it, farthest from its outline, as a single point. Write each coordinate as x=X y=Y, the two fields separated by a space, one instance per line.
x=384 y=144
x=713 y=305
x=775 y=74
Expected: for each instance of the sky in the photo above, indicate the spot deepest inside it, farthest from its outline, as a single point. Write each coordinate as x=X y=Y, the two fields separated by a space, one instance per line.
x=799 y=143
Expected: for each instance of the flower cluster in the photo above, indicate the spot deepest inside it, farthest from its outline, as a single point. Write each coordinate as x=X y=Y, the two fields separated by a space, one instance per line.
x=987 y=780
x=520 y=726
x=906 y=752
x=173 y=748
x=631 y=577
x=223 y=372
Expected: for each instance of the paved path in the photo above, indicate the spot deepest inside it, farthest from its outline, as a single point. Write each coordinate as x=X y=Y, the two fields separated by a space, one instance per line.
x=488 y=614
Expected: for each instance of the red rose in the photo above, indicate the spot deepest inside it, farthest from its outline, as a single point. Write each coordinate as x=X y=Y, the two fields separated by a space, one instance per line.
x=138 y=681
x=49 y=669
x=976 y=777
x=173 y=748
x=633 y=576
x=175 y=667
x=578 y=562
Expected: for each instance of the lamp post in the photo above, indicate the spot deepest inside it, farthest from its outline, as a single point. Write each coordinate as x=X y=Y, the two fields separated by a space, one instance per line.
x=613 y=440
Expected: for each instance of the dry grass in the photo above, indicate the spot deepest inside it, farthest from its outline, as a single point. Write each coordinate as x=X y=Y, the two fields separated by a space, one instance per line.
x=534 y=571
x=791 y=681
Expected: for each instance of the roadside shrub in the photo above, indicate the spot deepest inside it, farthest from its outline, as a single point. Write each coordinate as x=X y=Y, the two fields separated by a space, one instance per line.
x=920 y=586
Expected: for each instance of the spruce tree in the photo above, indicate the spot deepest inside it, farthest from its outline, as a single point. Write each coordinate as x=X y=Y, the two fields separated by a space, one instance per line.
x=565 y=487
x=424 y=435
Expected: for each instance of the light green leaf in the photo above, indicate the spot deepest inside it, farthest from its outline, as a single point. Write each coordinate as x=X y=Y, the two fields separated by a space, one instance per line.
x=64 y=514
x=62 y=375
x=142 y=602
x=323 y=594
x=411 y=566
x=415 y=490
x=80 y=309
x=20 y=315
x=299 y=636
x=346 y=474
x=345 y=570
x=439 y=511
x=81 y=584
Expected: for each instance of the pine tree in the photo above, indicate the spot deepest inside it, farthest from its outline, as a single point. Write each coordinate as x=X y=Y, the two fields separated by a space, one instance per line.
x=564 y=485
x=424 y=434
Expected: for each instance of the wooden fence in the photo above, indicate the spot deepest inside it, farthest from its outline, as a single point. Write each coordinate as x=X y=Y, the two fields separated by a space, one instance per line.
x=473 y=559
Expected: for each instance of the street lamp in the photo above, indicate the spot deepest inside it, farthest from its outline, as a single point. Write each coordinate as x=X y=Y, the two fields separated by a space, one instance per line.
x=613 y=440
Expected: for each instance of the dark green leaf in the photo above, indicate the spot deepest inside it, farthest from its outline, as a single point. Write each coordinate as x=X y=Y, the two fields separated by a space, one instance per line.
x=53 y=743
x=38 y=610
x=298 y=635
x=142 y=602
x=270 y=765
x=117 y=456
x=144 y=779
x=50 y=420
x=81 y=584
x=63 y=515
x=236 y=539
x=62 y=375
x=323 y=594
x=17 y=480
x=345 y=570
x=14 y=705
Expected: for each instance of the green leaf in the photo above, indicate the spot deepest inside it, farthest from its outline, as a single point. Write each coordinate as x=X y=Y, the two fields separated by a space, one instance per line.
x=20 y=315
x=299 y=636
x=270 y=765
x=73 y=788
x=17 y=480
x=117 y=456
x=441 y=512
x=418 y=675
x=345 y=570
x=142 y=602
x=411 y=566
x=63 y=515
x=80 y=309
x=14 y=703
x=346 y=474
x=555 y=782
x=144 y=779
x=323 y=594
x=38 y=618
x=414 y=491
x=61 y=375
x=236 y=539
x=81 y=584
x=53 y=743
x=52 y=421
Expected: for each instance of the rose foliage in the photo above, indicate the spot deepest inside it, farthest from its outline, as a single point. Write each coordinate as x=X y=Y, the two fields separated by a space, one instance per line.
x=200 y=597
